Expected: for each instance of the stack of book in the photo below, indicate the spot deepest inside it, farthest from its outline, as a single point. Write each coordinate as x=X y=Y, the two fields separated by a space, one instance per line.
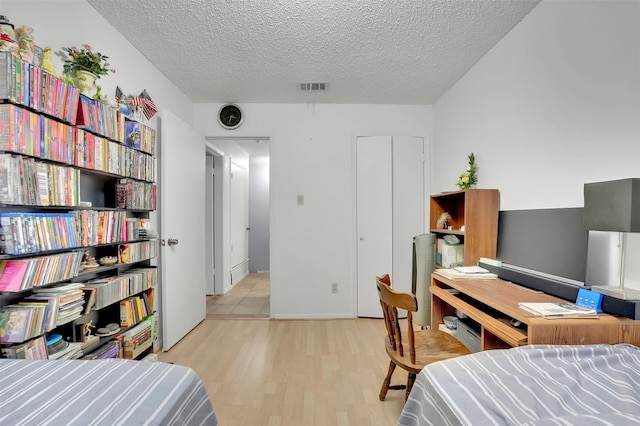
x=137 y=339
x=22 y=274
x=148 y=233
x=27 y=181
x=108 y=350
x=466 y=272
x=69 y=299
x=134 y=309
x=20 y=322
x=132 y=194
x=135 y=252
x=24 y=233
x=27 y=84
x=32 y=349
x=558 y=310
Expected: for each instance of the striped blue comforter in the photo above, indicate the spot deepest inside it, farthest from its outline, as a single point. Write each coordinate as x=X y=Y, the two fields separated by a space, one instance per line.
x=530 y=385
x=101 y=392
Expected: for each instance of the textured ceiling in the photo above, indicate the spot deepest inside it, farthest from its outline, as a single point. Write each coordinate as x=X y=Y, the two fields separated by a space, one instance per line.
x=385 y=52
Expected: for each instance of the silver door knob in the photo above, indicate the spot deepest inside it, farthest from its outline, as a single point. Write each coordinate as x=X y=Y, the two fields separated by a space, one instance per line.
x=172 y=242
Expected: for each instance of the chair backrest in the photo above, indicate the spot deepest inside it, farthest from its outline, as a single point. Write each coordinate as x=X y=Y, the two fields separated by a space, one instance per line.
x=391 y=301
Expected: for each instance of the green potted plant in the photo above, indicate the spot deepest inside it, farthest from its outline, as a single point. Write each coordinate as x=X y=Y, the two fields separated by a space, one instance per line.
x=469 y=177
x=84 y=66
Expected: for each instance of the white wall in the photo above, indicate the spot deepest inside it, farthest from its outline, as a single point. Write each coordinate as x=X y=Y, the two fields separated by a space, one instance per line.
x=312 y=153
x=552 y=106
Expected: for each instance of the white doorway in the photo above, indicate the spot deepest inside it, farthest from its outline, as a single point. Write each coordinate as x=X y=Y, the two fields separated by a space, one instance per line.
x=236 y=237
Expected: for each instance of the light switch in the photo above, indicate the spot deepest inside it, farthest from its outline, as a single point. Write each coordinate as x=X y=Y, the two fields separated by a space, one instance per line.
x=300 y=199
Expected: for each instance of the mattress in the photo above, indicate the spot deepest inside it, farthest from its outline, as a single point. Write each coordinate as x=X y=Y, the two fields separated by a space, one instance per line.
x=530 y=385
x=101 y=392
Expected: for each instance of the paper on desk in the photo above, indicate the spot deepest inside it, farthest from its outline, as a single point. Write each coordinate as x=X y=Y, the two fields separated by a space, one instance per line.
x=471 y=270
x=454 y=274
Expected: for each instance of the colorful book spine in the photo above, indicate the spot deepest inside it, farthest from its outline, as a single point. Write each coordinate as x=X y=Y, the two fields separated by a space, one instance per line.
x=12 y=274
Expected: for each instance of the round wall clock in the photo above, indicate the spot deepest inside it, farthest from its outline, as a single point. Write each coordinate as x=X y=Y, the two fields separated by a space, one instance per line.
x=230 y=116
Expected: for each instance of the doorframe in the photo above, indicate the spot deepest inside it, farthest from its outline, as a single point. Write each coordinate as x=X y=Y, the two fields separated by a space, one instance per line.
x=214 y=219
x=221 y=218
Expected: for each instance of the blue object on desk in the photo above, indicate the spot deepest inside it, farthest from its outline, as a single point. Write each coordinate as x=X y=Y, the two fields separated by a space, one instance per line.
x=589 y=299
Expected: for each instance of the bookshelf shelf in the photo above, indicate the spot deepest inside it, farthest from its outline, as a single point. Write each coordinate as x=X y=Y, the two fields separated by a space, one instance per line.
x=60 y=151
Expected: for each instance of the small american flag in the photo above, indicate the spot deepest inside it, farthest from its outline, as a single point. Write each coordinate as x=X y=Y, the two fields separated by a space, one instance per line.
x=149 y=108
x=135 y=101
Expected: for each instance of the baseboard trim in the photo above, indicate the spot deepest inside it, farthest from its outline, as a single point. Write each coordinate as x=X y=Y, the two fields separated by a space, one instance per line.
x=312 y=316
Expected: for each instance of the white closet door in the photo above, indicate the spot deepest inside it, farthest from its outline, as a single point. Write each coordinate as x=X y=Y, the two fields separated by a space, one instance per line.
x=408 y=206
x=391 y=211
x=374 y=217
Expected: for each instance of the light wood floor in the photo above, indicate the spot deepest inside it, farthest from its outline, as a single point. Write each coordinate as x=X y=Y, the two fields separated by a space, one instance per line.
x=249 y=298
x=292 y=372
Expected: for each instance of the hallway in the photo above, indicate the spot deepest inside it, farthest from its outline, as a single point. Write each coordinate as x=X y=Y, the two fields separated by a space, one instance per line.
x=247 y=299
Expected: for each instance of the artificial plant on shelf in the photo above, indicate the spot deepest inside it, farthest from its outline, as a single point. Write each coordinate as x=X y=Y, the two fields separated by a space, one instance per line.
x=469 y=178
x=84 y=66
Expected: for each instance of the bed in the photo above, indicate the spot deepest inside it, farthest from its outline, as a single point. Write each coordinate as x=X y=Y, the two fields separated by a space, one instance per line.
x=101 y=392
x=530 y=385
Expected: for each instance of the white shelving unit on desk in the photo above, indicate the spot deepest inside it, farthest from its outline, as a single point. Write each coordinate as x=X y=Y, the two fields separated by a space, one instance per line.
x=77 y=183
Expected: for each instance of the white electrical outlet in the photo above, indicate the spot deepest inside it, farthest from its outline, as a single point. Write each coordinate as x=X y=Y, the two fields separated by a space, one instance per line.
x=334 y=288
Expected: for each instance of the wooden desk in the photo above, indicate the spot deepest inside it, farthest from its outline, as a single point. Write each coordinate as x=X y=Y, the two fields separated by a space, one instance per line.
x=494 y=303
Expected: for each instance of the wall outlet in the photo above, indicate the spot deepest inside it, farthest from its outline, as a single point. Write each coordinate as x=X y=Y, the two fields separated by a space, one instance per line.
x=334 y=288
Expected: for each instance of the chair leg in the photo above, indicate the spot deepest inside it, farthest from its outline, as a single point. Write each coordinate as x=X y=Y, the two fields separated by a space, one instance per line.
x=387 y=381
x=410 y=380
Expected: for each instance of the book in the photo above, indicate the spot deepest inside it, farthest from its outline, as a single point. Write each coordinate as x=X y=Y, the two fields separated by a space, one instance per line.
x=558 y=310
x=52 y=313
x=12 y=274
x=15 y=324
x=133 y=134
x=472 y=270
x=454 y=274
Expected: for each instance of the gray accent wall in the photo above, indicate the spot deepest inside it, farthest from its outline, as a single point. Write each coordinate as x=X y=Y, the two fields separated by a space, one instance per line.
x=547 y=240
x=259 y=217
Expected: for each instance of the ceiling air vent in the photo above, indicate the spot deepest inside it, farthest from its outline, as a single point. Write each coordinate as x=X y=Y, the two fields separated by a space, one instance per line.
x=312 y=87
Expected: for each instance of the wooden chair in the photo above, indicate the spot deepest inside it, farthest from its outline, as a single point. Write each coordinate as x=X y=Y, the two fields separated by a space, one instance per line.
x=423 y=346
